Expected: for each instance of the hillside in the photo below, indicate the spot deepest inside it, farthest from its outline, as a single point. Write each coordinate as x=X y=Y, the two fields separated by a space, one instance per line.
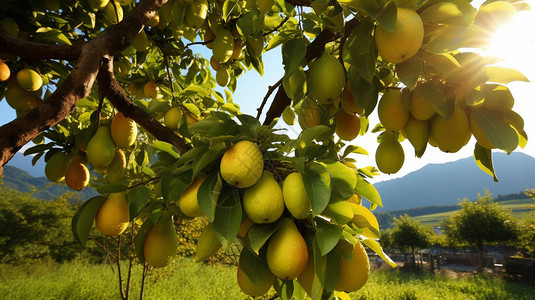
x=20 y=180
x=445 y=184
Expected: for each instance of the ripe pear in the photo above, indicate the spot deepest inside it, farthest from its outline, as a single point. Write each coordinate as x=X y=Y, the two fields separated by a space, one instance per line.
x=113 y=215
x=140 y=42
x=29 y=80
x=287 y=252
x=188 y=202
x=113 y=12
x=348 y=101
x=295 y=196
x=101 y=149
x=237 y=53
x=263 y=202
x=242 y=164
x=420 y=108
x=19 y=98
x=150 y=90
x=354 y=272
x=215 y=64
x=392 y=111
x=347 y=125
x=223 y=45
x=209 y=37
x=451 y=135
x=76 y=175
x=208 y=244
x=389 y=155
x=196 y=13
x=5 y=72
x=245 y=225
x=160 y=245
x=309 y=114
x=172 y=118
x=326 y=79
x=406 y=39
x=123 y=130
x=222 y=76
x=115 y=170
x=417 y=133
x=56 y=166
x=250 y=288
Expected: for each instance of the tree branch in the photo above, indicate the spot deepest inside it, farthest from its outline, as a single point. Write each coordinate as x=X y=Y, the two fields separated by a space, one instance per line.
x=112 y=90
x=271 y=89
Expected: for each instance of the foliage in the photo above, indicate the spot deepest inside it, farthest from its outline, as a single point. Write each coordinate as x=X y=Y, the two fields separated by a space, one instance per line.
x=527 y=233
x=408 y=234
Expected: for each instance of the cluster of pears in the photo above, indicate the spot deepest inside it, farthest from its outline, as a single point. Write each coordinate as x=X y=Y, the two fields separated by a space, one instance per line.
x=266 y=201
x=23 y=88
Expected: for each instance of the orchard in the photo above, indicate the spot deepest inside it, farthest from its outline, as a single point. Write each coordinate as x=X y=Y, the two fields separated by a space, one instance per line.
x=113 y=95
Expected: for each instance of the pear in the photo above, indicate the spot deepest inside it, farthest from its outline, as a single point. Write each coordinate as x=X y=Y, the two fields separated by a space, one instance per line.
x=140 y=42
x=161 y=243
x=326 y=79
x=354 y=272
x=5 y=72
x=19 y=98
x=417 y=133
x=196 y=13
x=347 y=125
x=245 y=225
x=255 y=45
x=150 y=90
x=98 y=4
x=287 y=252
x=29 y=80
x=123 y=130
x=451 y=134
x=392 y=111
x=223 y=45
x=56 y=166
x=222 y=75
x=188 y=202
x=309 y=114
x=113 y=215
x=420 y=108
x=115 y=170
x=208 y=244
x=77 y=174
x=101 y=149
x=263 y=202
x=172 y=118
x=295 y=196
x=242 y=164
x=389 y=155
x=113 y=12
x=254 y=289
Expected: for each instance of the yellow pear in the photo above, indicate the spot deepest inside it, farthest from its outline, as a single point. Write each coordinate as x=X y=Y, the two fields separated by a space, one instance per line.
x=160 y=245
x=451 y=135
x=76 y=175
x=406 y=39
x=295 y=196
x=208 y=244
x=355 y=272
x=101 y=149
x=392 y=111
x=115 y=170
x=140 y=42
x=196 y=13
x=309 y=114
x=172 y=118
x=19 y=98
x=188 y=202
x=420 y=108
x=113 y=215
x=263 y=202
x=123 y=130
x=347 y=125
x=150 y=89
x=326 y=79
x=254 y=290
x=287 y=252
x=389 y=155
x=348 y=101
x=98 y=4
x=222 y=76
x=113 y=12
x=5 y=72
x=56 y=166
x=29 y=80
x=215 y=64
x=237 y=53
x=223 y=45
x=242 y=164
x=417 y=133
x=209 y=36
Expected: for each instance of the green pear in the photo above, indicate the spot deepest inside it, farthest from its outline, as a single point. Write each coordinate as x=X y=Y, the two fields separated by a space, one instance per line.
x=140 y=42
x=263 y=202
x=295 y=196
x=101 y=149
x=172 y=118
x=29 y=80
x=223 y=46
x=222 y=76
x=56 y=166
x=208 y=244
x=115 y=170
x=326 y=79
x=254 y=289
x=287 y=252
x=161 y=243
x=255 y=45
x=19 y=98
x=389 y=155
x=196 y=13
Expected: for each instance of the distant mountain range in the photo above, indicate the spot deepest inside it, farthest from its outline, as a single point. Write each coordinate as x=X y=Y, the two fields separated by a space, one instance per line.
x=445 y=184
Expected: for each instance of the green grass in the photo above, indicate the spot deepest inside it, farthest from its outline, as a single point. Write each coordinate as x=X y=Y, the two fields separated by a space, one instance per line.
x=519 y=209
x=184 y=279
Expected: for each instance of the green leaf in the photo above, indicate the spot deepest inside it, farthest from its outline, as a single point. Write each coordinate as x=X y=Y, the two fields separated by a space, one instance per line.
x=295 y=84
x=83 y=219
x=204 y=159
x=368 y=191
x=354 y=149
x=374 y=245
x=503 y=75
x=52 y=35
x=141 y=199
x=259 y=234
x=313 y=133
x=495 y=128
x=139 y=239
x=450 y=39
x=327 y=235
x=110 y=188
x=293 y=53
x=255 y=266
x=483 y=158
x=317 y=185
x=332 y=271
x=177 y=188
x=409 y=71
x=192 y=108
x=191 y=154
x=343 y=180
x=367 y=95
x=449 y=12
x=228 y=215
x=208 y=195
x=166 y=147
x=288 y=115
x=179 y=11
x=284 y=288
x=432 y=92
x=197 y=91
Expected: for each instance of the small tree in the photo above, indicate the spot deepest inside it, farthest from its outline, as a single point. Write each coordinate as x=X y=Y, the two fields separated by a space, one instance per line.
x=482 y=222
x=527 y=233
x=409 y=234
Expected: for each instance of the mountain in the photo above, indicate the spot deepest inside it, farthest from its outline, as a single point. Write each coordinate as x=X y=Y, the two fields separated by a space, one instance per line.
x=445 y=184
x=25 y=163
x=40 y=187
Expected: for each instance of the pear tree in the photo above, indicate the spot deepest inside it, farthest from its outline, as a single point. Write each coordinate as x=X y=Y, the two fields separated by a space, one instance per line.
x=119 y=88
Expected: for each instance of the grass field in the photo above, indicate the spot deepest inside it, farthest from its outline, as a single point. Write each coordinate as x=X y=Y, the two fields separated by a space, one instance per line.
x=184 y=279
x=519 y=209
